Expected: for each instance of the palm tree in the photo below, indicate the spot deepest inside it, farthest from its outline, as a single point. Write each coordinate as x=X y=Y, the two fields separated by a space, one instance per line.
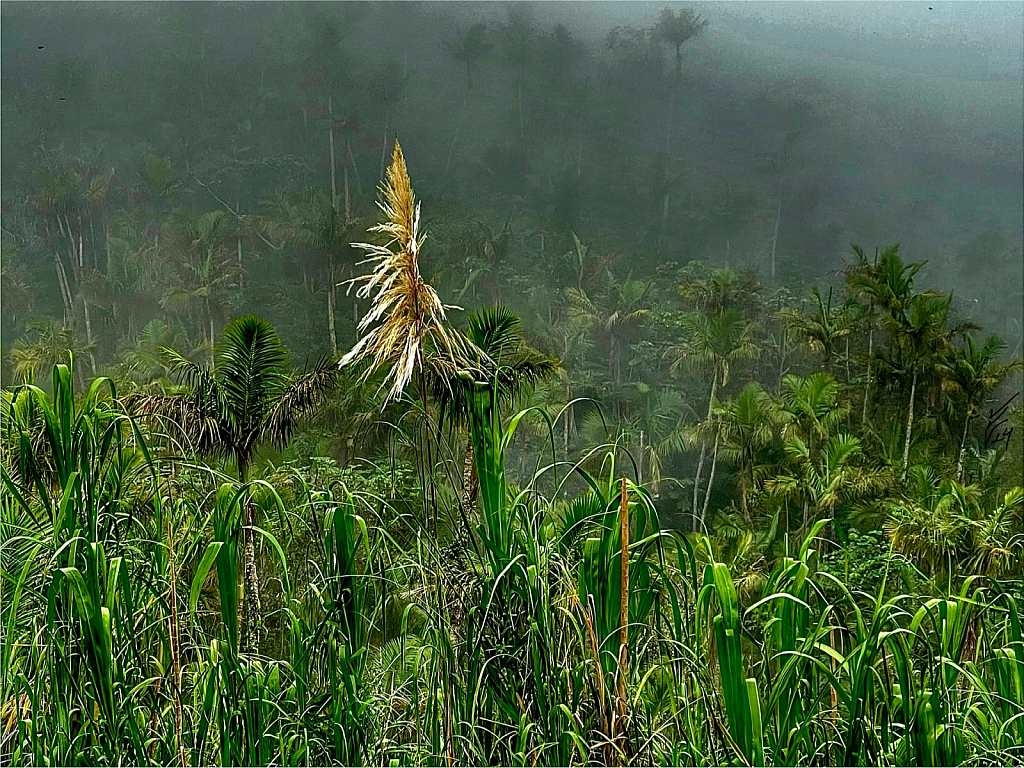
x=18 y=295
x=998 y=545
x=497 y=352
x=970 y=373
x=746 y=426
x=316 y=224
x=588 y=267
x=885 y=284
x=820 y=470
x=917 y=335
x=518 y=38
x=819 y=481
x=823 y=328
x=469 y=46
x=45 y=344
x=206 y=270
x=713 y=343
x=143 y=361
x=617 y=311
x=246 y=399
x=932 y=523
x=676 y=28
x=811 y=406
x=720 y=289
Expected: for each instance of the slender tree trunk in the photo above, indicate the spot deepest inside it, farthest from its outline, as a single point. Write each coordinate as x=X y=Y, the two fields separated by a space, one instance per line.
x=782 y=360
x=470 y=481
x=88 y=334
x=330 y=317
x=522 y=120
x=209 y=315
x=910 y=423
x=703 y=448
x=849 y=378
x=867 y=384
x=711 y=482
x=65 y=289
x=455 y=136
x=567 y=416
x=355 y=168
x=579 y=146
x=348 y=196
x=664 y=216
x=963 y=445
x=617 y=361
x=251 y=637
x=384 y=147
x=743 y=501
x=241 y=271
x=775 y=237
x=330 y=134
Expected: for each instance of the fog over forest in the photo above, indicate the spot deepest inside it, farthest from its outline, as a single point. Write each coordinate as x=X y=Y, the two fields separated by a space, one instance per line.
x=512 y=383
x=868 y=124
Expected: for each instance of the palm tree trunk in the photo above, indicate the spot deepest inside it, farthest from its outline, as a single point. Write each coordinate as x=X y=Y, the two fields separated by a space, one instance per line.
x=470 y=481
x=963 y=445
x=703 y=448
x=775 y=237
x=743 y=501
x=579 y=146
x=352 y=163
x=348 y=196
x=522 y=121
x=455 y=136
x=867 y=384
x=330 y=315
x=251 y=640
x=910 y=423
x=616 y=361
x=250 y=576
x=209 y=315
x=384 y=147
x=88 y=334
x=330 y=134
x=567 y=416
x=711 y=482
x=782 y=360
x=65 y=288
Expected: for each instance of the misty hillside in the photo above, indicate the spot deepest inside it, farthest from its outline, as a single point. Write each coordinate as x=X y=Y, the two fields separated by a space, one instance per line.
x=561 y=130
x=511 y=383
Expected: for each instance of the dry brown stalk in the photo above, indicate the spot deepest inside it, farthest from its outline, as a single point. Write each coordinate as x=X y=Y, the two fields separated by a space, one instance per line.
x=405 y=310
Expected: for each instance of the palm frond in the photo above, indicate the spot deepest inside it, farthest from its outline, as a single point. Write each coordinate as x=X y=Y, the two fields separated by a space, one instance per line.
x=303 y=397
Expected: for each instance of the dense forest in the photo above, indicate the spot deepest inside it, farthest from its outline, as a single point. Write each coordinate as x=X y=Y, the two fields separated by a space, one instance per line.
x=444 y=384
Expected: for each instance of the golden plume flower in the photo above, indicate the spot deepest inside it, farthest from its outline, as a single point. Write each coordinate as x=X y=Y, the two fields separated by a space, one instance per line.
x=405 y=311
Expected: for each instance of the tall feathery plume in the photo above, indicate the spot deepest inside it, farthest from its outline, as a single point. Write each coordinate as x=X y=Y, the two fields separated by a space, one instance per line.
x=405 y=310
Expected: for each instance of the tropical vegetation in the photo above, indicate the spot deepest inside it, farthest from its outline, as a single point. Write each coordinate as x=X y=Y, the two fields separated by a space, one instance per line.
x=481 y=494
